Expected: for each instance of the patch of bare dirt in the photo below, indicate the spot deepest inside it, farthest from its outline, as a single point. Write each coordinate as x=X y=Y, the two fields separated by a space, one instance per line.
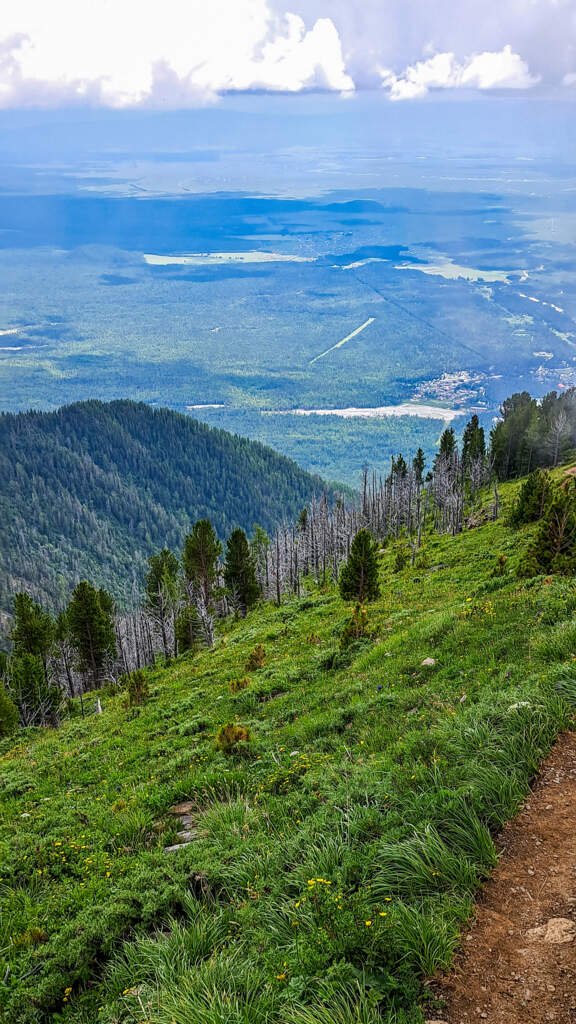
x=517 y=964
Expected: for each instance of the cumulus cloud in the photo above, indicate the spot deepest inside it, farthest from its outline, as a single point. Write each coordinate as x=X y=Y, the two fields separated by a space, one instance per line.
x=502 y=69
x=188 y=52
x=570 y=78
x=397 y=33
x=184 y=53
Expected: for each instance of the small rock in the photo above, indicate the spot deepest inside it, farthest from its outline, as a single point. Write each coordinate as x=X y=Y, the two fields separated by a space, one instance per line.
x=556 y=931
x=428 y=661
x=186 y=837
x=177 y=846
x=183 y=808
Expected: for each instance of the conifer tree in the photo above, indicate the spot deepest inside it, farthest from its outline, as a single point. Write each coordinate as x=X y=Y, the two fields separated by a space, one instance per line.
x=38 y=701
x=8 y=714
x=533 y=499
x=202 y=550
x=447 y=444
x=188 y=629
x=33 y=630
x=553 y=548
x=418 y=464
x=399 y=467
x=358 y=580
x=473 y=442
x=91 y=630
x=239 y=572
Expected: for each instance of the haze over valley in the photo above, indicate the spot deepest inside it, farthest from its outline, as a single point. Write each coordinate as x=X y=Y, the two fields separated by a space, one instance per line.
x=303 y=276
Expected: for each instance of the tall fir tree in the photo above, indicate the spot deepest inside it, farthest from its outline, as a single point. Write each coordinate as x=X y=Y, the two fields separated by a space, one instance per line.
x=418 y=464
x=33 y=629
x=239 y=572
x=358 y=580
x=473 y=442
x=91 y=630
x=447 y=446
x=202 y=550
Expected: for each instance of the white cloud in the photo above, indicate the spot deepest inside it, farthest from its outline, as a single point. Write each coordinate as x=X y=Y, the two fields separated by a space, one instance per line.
x=187 y=52
x=570 y=78
x=398 y=33
x=182 y=54
x=501 y=69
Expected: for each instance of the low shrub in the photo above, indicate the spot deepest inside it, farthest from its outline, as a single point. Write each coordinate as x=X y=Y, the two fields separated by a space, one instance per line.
x=239 y=684
x=356 y=628
x=500 y=567
x=401 y=560
x=230 y=735
x=256 y=659
x=136 y=686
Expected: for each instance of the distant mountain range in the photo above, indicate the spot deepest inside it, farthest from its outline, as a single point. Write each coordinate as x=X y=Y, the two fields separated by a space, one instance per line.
x=94 y=489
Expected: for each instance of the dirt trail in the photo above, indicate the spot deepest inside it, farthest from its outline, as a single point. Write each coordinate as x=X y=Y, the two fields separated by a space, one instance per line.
x=518 y=959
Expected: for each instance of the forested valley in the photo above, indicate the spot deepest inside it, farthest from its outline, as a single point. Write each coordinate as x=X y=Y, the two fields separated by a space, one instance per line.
x=94 y=489
x=94 y=641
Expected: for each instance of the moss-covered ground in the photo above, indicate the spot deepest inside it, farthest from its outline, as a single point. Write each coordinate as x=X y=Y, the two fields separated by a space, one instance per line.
x=337 y=852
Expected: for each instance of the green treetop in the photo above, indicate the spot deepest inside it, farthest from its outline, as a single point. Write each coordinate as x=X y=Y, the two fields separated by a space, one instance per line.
x=358 y=579
x=91 y=630
x=202 y=550
x=239 y=571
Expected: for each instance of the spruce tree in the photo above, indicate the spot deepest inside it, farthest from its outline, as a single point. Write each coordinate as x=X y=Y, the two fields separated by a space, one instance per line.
x=91 y=630
x=33 y=630
x=38 y=701
x=239 y=572
x=553 y=548
x=447 y=444
x=533 y=499
x=418 y=463
x=202 y=550
x=399 y=467
x=358 y=579
x=473 y=442
x=188 y=629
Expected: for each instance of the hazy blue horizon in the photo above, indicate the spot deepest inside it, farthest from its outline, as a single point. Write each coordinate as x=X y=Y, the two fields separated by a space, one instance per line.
x=439 y=234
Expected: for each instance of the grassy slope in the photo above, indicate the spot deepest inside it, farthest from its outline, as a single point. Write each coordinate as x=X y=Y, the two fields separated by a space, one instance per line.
x=336 y=859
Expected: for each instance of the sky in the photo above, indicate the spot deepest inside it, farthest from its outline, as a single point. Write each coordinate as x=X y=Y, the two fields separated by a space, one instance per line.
x=188 y=53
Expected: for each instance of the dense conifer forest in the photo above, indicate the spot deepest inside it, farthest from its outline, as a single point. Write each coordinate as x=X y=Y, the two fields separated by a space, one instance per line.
x=94 y=489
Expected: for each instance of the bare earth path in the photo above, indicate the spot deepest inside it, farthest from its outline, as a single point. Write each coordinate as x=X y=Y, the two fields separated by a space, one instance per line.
x=518 y=962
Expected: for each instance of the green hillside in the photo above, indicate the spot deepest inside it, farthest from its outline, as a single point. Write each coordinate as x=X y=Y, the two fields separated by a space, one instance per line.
x=336 y=849
x=94 y=489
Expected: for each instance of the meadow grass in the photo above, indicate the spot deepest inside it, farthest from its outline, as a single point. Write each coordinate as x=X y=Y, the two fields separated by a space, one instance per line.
x=337 y=851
